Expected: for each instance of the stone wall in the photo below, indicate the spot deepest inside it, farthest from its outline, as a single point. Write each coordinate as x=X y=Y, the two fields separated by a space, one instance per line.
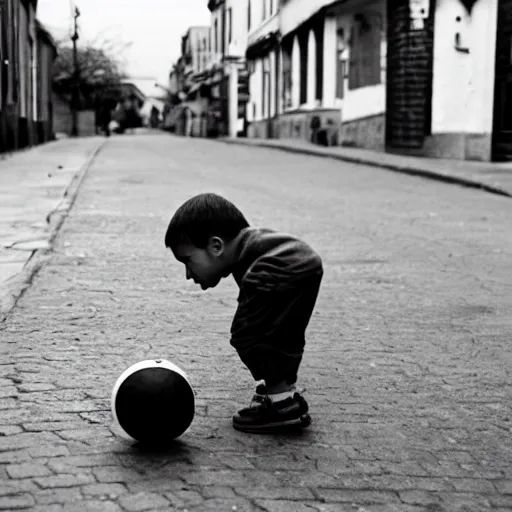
x=461 y=146
x=295 y=125
x=368 y=133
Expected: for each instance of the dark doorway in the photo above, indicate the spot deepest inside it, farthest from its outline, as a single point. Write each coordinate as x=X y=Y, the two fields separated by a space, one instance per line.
x=502 y=129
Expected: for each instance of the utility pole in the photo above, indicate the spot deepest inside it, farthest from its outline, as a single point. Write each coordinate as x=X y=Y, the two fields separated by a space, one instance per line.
x=76 y=78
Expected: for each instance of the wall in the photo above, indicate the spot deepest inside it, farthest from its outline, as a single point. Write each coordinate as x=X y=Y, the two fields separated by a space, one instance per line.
x=254 y=107
x=238 y=44
x=409 y=79
x=296 y=12
x=261 y=26
x=463 y=84
x=23 y=59
x=32 y=63
x=262 y=80
x=216 y=53
x=297 y=125
x=45 y=59
x=62 y=119
x=367 y=132
x=371 y=100
x=362 y=108
x=261 y=12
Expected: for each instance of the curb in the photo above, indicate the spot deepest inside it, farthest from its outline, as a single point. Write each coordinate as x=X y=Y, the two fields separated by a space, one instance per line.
x=16 y=285
x=403 y=169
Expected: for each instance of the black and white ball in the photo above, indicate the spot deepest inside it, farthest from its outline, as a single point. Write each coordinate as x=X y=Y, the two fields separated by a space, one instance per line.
x=153 y=402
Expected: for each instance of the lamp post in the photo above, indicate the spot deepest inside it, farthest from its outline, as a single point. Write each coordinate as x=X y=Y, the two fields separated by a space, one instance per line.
x=76 y=78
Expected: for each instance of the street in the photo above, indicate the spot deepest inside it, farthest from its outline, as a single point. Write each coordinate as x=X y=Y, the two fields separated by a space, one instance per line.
x=407 y=367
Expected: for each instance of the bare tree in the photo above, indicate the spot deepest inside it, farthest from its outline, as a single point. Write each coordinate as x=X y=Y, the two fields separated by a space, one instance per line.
x=100 y=73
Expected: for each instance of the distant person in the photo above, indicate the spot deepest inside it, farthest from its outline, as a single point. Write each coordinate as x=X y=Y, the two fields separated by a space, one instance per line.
x=132 y=118
x=154 y=117
x=103 y=118
x=279 y=278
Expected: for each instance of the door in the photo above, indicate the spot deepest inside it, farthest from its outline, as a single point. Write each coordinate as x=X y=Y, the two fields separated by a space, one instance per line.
x=502 y=130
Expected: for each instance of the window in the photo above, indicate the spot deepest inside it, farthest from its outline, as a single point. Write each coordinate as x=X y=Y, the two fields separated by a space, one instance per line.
x=230 y=25
x=319 y=82
x=287 y=73
x=264 y=9
x=216 y=37
x=341 y=62
x=265 y=90
x=303 y=44
x=365 y=48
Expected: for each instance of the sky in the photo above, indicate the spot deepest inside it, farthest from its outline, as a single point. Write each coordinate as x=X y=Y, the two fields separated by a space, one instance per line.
x=146 y=34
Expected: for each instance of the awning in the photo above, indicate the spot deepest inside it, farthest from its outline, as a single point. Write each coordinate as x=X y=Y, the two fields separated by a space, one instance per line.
x=262 y=46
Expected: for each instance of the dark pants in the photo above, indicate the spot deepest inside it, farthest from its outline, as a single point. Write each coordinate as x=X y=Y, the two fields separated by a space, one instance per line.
x=269 y=328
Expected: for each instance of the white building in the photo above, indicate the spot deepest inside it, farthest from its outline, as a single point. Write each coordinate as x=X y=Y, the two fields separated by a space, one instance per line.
x=471 y=92
x=318 y=65
x=412 y=76
x=263 y=58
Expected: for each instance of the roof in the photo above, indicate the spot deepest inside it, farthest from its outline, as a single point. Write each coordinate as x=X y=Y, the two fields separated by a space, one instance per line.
x=128 y=84
x=146 y=85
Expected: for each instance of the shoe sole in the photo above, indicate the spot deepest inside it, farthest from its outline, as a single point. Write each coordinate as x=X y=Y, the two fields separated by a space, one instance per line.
x=272 y=428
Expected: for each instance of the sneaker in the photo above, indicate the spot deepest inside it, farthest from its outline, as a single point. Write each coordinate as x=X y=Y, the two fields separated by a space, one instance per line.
x=264 y=416
x=259 y=395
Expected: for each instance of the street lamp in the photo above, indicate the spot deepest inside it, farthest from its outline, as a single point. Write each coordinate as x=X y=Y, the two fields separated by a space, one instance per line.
x=76 y=81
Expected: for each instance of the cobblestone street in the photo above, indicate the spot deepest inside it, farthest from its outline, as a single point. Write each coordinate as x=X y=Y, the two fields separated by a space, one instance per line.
x=407 y=367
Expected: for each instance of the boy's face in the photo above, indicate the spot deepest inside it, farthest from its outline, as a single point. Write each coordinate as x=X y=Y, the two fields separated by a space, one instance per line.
x=205 y=266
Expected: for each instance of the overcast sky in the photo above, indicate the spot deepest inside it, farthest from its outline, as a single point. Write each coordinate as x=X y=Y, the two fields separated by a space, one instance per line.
x=149 y=30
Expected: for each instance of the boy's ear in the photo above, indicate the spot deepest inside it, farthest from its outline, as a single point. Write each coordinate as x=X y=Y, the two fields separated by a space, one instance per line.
x=216 y=245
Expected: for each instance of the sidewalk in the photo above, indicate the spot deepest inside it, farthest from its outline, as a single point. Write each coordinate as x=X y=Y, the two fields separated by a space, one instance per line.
x=37 y=188
x=490 y=176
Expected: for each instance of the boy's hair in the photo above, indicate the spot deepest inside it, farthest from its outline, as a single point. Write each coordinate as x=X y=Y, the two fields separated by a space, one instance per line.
x=202 y=217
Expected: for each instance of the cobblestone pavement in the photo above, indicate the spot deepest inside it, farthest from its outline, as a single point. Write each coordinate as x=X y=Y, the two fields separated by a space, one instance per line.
x=407 y=368
x=37 y=188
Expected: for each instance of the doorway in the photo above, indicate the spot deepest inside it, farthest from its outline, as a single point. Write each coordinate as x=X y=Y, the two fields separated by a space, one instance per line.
x=502 y=129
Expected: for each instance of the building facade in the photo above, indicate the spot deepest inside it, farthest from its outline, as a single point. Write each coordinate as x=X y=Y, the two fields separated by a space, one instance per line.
x=421 y=77
x=44 y=115
x=226 y=80
x=263 y=62
x=325 y=70
x=215 y=94
x=458 y=62
x=195 y=54
x=27 y=55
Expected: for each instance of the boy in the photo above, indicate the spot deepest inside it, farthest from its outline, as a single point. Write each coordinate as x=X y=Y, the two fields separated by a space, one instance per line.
x=279 y=277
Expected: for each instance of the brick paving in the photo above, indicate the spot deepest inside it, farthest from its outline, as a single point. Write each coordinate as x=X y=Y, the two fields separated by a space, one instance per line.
x=407 y=368
x=37 y=188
